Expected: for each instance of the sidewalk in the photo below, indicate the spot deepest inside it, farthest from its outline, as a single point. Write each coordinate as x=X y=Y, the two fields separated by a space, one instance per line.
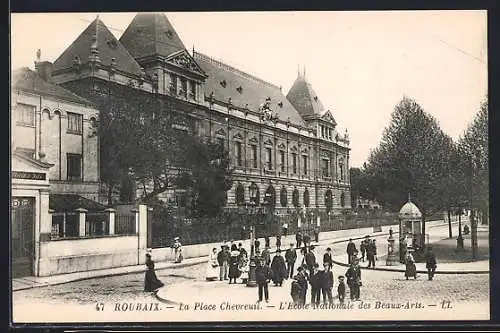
x=34 y=282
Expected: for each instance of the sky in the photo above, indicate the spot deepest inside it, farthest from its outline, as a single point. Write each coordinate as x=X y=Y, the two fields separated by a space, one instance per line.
x=360 y=64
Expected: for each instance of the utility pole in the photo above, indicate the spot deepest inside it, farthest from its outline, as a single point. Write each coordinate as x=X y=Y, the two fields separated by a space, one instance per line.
x=473 y=226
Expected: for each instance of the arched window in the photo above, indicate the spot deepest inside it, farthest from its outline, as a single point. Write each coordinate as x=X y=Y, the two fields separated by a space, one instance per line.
x=341 y=169
x=295 y=198
x=342 y=199
x=270 y=196
x=254 y=193
x=306 y=198
x=328 y=200
x=283 y=197
x=240 y=194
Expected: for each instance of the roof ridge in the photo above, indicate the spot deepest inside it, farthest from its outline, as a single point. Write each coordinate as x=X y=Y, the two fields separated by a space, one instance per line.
x=235 y=70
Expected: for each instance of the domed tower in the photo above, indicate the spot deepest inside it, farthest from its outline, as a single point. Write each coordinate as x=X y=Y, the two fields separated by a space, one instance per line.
x=410 y=228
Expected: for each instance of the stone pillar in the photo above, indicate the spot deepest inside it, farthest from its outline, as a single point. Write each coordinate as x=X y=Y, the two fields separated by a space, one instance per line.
x=136 y=215
x=318 y=221
x=111 y=219
x=81 y=221
x=45 y=216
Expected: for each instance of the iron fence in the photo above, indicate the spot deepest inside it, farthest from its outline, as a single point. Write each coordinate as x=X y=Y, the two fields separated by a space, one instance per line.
x=125 y=224
x=96 y=224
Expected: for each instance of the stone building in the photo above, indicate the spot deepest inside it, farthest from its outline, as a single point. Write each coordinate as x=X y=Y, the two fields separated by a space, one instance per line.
x=285 y=146
x=55 y=160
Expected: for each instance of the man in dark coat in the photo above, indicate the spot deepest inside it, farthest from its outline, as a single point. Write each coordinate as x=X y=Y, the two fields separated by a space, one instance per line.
x=362 y=248
x=266 y=256
x=278 y=269
x=307 y=239
x=327 y=257
x=353 y=276
x=267 y=242
x=298 y=239
x=430 y=263
x=310 y=259
x=223 y=260
x=316 y=234
x=278 y=242
x=371 y=252
x=243 y=252
x=257 y=246
x=290 y=258
x=262 y=276
x=327 y=283
x=315 y=279
x=301 y=279
x=351 y=248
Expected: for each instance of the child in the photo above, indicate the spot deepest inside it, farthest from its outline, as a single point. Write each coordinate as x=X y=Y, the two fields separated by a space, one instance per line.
x=341 y=289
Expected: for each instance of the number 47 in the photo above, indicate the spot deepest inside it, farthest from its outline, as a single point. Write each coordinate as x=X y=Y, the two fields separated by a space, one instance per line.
x=99 y=306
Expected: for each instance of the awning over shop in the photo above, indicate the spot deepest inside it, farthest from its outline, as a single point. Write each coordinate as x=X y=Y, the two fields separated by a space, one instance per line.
x=70 y=202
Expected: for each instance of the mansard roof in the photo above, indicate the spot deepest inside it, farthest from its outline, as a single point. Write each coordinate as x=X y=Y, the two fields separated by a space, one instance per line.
x=245 y=90
x=108 y=46
x=304 y=98
x=28 y=80
x=151 y=34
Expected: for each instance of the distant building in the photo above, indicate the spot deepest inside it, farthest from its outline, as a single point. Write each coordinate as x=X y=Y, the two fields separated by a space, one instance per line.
x=363 y=203
x=285 y=146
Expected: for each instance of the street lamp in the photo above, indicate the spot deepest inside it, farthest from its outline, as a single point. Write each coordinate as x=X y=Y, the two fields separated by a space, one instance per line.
x=251 y=281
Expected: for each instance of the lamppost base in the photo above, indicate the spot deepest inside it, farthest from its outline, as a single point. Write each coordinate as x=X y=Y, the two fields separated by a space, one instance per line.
x=252 y=282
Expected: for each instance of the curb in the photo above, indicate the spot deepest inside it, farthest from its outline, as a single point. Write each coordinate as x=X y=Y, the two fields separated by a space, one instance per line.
x=135 y=270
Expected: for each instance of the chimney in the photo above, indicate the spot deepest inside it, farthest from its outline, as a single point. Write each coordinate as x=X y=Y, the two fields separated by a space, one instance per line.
x=44 y=69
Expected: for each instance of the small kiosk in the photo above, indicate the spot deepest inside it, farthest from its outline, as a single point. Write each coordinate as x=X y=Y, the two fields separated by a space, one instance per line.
x=410 y=229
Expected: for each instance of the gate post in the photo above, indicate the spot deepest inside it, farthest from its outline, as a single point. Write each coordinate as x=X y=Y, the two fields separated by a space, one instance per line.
x=81 y=221
x=111 y=220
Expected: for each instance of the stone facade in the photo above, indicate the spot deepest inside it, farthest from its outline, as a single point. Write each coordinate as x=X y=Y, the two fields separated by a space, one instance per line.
x=290 y=142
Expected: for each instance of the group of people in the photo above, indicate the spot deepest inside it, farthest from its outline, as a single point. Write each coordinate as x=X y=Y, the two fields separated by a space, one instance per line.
x=228 y=263
x=367 y=247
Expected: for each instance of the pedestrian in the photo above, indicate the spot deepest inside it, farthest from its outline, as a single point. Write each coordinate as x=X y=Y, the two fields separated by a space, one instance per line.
x=430 y=263
x=341 y=289
x=243 y=265
x=316 y=234
x=278 y=242
x=177 y=250
x=267 y=242
x=411 y=269
x=371 y=252
x=306 y=239
x=234 y=271
x=327 y=283
x=223 y=260
x=310 y=259
x=243 y=252
x=403 y=247
x=351 y=247
x=262 y=276
x=212 y=271
x=353 y=276
x=315 y=280
x=295 y=291
x=257 y=246
x=290 y=258
x=151 y=281
x=298 y=239
x=362 y=248
x=278 y=269
x=301 y=279
x=285 y=229
x=327 y=257
x=266 y=256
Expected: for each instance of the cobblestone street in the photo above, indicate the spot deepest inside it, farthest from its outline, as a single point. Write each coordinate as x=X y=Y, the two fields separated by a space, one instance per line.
x=188 y=285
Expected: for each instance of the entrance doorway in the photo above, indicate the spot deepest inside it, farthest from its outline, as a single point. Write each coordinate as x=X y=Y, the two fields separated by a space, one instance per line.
x=22 y=237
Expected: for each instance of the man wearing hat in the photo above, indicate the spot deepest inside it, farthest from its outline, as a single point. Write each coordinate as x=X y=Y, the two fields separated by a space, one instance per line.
x=223 y=260
x=178 y=250
x=310 y=259
x=290 y=258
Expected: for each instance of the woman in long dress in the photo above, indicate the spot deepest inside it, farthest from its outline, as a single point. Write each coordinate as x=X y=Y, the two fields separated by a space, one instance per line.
x=151 y=282
x=243 y=266
x=411 y=269
x=212 y=266
x=234 y=271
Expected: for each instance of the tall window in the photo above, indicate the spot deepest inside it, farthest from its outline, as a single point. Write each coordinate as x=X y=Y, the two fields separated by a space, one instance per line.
x=75 y=123
x=237 y=150
x=192 y=89
x=324 y=167
x=220 y=142
x=254 y=156
x=184 y=87
x=304 y=164
x=322 y=131
x=282 y=160
x=25 y=114
x=173 y=84
x=74 y=166
x=341 y=166
x=294 y=162
x=269 y=158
